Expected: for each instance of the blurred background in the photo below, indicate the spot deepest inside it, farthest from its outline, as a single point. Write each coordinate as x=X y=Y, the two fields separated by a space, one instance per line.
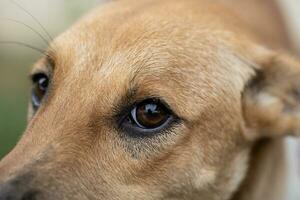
x=15 y=60
x=56 y=16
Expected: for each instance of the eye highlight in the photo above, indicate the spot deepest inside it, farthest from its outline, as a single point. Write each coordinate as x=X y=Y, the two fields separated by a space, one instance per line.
x=39 y=89
x=147 y=117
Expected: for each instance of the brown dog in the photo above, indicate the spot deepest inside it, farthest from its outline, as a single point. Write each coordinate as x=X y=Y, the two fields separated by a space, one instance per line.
x=160 y=99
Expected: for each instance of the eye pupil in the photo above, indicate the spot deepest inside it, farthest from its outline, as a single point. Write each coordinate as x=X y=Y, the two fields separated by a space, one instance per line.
x=151 y=115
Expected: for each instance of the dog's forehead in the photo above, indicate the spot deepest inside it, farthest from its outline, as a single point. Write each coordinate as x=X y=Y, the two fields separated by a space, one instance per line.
x=123 y=49
x=143 y=31
x=137 y=44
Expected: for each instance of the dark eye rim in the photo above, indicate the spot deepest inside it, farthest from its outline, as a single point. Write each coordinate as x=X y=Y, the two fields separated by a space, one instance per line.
x=138 y=132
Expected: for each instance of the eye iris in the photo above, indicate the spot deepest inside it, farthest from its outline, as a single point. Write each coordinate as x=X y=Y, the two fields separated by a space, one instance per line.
x=39 y=90
x=151 y=115
x=43 y=84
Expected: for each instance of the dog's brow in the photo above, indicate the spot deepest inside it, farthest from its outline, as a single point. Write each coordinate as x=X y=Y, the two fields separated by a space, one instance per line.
x=50 y=59
x=44 y=65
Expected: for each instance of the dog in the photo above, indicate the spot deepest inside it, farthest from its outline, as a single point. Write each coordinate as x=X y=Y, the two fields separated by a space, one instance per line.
x=161 y=99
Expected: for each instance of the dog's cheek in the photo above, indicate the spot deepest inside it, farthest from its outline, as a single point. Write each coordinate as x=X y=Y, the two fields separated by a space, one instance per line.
x=225 y=179
x=30 y=112
x=231 y=178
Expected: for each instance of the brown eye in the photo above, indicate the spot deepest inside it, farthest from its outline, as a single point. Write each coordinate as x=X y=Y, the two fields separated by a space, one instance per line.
x=150 y=114
x=40 y=86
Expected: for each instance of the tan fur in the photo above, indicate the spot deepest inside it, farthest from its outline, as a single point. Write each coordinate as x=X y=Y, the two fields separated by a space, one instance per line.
x=235 y=95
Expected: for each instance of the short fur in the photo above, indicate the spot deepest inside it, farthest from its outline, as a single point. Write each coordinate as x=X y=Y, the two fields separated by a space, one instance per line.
x=220 y=65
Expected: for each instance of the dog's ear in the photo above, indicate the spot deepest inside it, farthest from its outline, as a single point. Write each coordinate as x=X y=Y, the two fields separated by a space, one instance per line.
x=271 y=99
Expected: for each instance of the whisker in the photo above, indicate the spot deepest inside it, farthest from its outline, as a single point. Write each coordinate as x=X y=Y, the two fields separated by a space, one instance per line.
x=31 y=28
x=26 y=45
x=34 y=18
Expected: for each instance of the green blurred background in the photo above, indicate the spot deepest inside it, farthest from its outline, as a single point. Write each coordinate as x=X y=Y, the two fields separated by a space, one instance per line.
x=15 y=60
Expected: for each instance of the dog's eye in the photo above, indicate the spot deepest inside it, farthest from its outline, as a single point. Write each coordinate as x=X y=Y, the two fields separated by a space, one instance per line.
x=40 y=86
x=147 y=117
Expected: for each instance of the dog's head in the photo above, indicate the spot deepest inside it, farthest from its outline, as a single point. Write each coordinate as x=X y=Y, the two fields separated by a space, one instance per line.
x=150 y=100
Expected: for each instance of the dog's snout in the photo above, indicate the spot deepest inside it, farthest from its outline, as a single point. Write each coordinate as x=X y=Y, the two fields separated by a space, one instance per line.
x=12 y=195
x=16 y=190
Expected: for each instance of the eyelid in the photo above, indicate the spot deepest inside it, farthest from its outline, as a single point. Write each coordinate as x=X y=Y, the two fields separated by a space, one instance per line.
x=126 y=107
x=35 y=77
x=130 y=112
x=44 y=66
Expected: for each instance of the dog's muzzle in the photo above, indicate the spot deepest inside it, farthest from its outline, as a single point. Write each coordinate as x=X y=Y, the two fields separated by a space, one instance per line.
x=17 y=189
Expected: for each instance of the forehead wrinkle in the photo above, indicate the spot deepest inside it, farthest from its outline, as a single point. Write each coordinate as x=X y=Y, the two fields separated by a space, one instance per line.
x=116 y=35
x=118 y=77
x=135 y=59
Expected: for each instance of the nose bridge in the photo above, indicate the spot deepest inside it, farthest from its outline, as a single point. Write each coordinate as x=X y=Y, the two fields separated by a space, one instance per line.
x=33 y=147
x=15 y=161
x=28 y=150
x=22 y=158
x=51 y=128
x=21 y=169
x=57 y=123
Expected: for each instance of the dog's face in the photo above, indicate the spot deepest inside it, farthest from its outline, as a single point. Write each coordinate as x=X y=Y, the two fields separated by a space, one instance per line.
x=148 y=101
